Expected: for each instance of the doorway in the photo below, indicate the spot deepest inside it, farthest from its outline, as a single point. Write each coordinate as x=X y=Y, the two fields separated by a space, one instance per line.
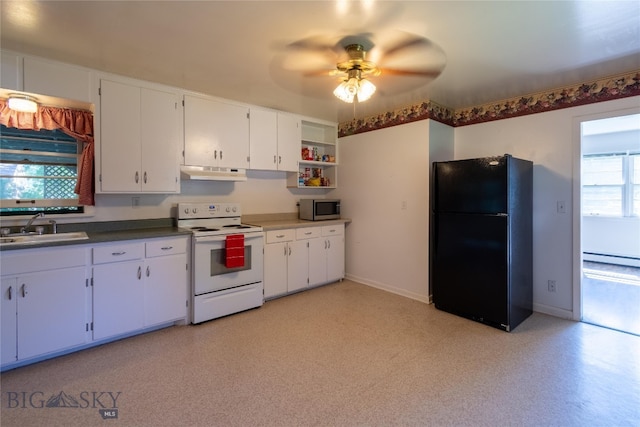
x=610 y=222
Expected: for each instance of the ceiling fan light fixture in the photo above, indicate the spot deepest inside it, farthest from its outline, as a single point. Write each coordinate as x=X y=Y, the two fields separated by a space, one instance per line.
x=347 y=90
x=354 y=86
x=366 y=90
x=22 y=103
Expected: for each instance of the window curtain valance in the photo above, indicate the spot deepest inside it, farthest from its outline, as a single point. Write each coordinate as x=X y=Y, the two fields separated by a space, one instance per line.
x=75 y=123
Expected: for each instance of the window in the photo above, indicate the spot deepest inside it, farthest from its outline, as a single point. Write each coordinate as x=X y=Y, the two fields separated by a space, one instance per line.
x=38 y=171
x=611 y=184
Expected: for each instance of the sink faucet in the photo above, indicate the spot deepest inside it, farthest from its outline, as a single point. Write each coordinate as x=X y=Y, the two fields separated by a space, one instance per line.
x=24 y=229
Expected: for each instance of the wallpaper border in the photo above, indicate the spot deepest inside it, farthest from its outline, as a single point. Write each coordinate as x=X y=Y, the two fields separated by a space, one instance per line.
x=605 y=89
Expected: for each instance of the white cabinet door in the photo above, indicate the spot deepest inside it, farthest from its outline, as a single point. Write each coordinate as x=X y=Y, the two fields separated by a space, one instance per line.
x=52 y=311
x=317 y=261
x=118 y=298
x=289 y=135
x=56 y=79
x=335 y=258
x=8 y=313
x=120 y=137
x=297 y=265
x=216 y=133
x=160 y=142
x=139 y=139
x=165 y=289
x=10 y=71
x=275 y=269
x=263 y=139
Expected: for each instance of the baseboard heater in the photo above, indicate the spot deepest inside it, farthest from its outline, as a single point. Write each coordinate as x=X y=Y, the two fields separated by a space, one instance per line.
x=611 y=259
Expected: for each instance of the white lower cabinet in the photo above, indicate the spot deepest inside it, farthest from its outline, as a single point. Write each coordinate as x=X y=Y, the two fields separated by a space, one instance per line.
x=298 y=258
x=138 y=284
x=285 y=263
x=118 y=289
x=166 y=281
x=44 y=302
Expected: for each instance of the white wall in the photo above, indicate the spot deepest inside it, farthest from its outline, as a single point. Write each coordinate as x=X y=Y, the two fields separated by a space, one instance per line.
x=384 y=187
x=551 y=140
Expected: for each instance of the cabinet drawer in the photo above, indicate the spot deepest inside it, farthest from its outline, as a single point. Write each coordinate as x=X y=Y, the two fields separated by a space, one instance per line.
x=307 y=233
x=119 y=252
x=166 y=247
x=41 y=259
x=276 y=236
x=333 y=230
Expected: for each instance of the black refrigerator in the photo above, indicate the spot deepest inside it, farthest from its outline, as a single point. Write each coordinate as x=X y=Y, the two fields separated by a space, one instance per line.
x=481 y=246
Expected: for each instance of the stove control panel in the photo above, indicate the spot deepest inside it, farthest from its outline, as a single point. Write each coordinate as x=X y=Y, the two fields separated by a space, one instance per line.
x=208 y=210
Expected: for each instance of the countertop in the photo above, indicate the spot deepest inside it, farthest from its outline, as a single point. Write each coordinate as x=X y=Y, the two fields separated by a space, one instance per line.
x=270 y=222
x=111 y=231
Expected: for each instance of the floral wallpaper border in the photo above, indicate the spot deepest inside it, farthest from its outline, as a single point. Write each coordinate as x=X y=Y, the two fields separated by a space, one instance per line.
x=606 y=89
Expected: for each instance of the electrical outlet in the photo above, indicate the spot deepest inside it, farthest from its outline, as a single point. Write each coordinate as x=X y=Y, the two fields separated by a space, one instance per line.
x=551 y=284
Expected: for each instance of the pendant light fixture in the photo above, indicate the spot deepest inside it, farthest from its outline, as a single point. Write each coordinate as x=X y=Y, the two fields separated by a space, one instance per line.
x=22 y=103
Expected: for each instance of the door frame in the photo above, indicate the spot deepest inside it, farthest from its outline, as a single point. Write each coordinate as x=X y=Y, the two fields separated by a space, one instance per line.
x=577 y=200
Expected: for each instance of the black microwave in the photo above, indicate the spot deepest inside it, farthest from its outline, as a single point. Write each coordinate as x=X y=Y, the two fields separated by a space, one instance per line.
x=319 y=209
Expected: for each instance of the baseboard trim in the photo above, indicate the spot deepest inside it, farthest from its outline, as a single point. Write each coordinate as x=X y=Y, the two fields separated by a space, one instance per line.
x=553 y=311
x=392 y=289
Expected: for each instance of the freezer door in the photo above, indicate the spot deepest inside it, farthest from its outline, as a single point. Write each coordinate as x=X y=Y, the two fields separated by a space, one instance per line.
x=470 y=267
x=471 y=186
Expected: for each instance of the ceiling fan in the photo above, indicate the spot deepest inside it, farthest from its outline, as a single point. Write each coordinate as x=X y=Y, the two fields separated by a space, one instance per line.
x=397 y=62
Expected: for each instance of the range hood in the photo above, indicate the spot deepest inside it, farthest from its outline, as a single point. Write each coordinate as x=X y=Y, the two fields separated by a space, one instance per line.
x=204 y=173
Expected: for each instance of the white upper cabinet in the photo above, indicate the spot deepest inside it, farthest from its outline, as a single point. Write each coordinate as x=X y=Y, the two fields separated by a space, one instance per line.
x=10 y=71
x=274 y=140
x=139 y=139
x=57 y=79
x=263 y=139
x=216 y=133
x=289 y=135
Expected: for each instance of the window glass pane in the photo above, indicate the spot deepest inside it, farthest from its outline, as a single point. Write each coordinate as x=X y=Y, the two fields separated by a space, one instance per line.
x=602 y=170
x=39 y=166
x=602 y=200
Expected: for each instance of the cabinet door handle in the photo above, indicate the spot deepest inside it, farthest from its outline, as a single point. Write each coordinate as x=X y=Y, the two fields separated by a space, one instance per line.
x=24 y=290
x=307 y=233
x=220 y=154
x=325 y=244
x=148 y=271
x=279 y=160
x=166 y=248
x=145 y=177
x=289 y=250
x=137 y=177
x=118 y=253
x=280 y=236
x=274 y=159
x=285 y=251
x=215 y=154
x=10 y=293
x=328 y=244
x=139 y=272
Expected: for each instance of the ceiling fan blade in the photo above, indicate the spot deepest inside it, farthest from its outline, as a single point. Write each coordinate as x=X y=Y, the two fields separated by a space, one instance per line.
x=324 y=73
x=433 y=73
x=410 y=42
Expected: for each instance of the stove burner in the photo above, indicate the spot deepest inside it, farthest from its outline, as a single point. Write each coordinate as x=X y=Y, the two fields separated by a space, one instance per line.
x=236 y=226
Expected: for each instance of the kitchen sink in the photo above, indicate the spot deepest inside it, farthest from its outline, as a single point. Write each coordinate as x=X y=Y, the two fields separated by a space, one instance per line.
x=24 y=239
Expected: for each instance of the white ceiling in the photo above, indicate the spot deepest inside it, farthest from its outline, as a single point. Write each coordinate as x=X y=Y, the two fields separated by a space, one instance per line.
x=232 y=49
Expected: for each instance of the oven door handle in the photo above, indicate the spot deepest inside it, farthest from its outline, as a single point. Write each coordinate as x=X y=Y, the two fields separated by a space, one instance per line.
x=207 y=239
